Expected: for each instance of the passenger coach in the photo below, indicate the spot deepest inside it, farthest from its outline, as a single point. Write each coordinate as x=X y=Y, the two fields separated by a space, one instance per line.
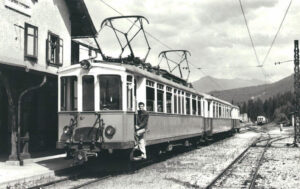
x=97 y=105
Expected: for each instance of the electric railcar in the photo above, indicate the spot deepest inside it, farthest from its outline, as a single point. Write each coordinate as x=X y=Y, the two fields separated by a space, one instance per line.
x=98 y=101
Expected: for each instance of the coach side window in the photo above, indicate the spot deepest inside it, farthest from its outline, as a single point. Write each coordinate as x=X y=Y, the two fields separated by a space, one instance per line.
x=160 y=98
x=68 y=93
x=175 y=101
x=179 y=102
x=187 y=102
x=150 y=96
x=88 y=94
x=110 y=92
x=199 y=106
x=169 y=100
x=194 y=105
x=182 y=102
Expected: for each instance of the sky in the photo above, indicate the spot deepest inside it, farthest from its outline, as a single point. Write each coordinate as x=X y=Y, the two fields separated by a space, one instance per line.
x=214 y=31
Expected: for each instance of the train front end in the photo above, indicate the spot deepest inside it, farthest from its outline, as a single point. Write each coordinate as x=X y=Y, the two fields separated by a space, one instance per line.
x=95 y=111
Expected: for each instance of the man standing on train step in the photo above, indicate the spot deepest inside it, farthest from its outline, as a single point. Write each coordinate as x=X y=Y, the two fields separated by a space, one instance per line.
x=140 y=130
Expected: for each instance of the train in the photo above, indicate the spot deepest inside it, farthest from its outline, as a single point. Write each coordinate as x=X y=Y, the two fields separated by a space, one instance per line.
x=97 y=104
x=261 y=120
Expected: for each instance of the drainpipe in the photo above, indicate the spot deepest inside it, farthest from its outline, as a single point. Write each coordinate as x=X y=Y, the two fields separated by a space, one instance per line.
x=19 y=116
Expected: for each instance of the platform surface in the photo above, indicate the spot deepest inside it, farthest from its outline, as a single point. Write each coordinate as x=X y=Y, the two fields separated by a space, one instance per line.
x=12 y=174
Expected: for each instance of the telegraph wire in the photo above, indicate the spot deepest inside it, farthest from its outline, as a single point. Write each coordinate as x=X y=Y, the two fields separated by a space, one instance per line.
x=278 y=30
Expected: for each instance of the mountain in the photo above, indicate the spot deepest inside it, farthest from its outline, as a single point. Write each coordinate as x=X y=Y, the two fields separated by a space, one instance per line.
x=262 y=91
x=207 y=84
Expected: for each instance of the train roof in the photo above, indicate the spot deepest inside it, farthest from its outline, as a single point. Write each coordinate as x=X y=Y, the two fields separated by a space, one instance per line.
x=150 y=75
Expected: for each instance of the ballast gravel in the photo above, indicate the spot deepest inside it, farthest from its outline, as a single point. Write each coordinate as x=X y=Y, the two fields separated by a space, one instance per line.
x=194 y=169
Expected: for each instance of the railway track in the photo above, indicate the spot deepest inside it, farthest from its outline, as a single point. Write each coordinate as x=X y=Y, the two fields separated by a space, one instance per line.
x=243 y=171
x=85 y=178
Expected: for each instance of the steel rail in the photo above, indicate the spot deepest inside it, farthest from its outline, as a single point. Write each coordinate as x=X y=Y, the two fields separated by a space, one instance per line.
x=268 y=145
x=213 y=182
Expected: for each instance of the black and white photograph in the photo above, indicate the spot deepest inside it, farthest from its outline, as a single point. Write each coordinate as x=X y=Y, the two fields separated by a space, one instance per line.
x=139 y=94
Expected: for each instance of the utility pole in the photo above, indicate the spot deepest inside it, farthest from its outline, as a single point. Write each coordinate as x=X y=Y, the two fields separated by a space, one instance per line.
x=297 y=93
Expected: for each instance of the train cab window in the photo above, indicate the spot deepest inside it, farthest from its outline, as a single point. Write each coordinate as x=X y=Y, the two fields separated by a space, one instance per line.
x=88 y=93
x=169 y=100
x=188 y=105
x=160 y=98
x=175 y=101
x=150 y=97
x=194 y=104
x=129 y=93
x=68 y=93
x=110 y=92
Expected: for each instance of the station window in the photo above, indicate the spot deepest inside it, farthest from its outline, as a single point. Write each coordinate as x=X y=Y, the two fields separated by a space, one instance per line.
x=31 y=41
x=68 y=93
x=160 y=98
x=194 y=104
x=54 y=50
x=129 y=93
x=150 y=97
x=187 y=102
x=88 y=93
x=169 y=100
x=175 y=101
x=110 y=92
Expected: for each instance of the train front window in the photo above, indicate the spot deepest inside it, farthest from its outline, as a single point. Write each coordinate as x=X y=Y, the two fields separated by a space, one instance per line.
x=88 y=99
x=68 y=93
x=110 y=92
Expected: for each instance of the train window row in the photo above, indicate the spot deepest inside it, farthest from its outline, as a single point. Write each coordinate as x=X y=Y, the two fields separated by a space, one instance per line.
x=162 y=98
x=159 y=97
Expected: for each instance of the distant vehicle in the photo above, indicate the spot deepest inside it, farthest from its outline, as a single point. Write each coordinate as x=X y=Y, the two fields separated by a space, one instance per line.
x=261 y=120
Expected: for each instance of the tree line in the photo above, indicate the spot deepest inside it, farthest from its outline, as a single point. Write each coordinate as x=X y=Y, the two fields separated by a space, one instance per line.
x=277 y=108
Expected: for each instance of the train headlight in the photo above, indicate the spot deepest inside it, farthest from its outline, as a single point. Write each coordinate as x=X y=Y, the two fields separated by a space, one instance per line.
x=110 y=131
x=67 y=130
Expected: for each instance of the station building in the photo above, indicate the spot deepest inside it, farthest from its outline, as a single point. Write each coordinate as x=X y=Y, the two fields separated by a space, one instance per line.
x=37 y=39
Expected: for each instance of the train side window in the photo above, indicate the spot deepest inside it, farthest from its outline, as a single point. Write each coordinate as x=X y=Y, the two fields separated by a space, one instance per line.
x=150 y=96
x=199 y=107
x=175 y=101
x=220 y=111
x=110 y=92
x=88 y=94
x=182 y=102
x=187 y=102
x=68 y=93
x=160 y=98
x=194 y=104
x=179 y=102
x=169 y=100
